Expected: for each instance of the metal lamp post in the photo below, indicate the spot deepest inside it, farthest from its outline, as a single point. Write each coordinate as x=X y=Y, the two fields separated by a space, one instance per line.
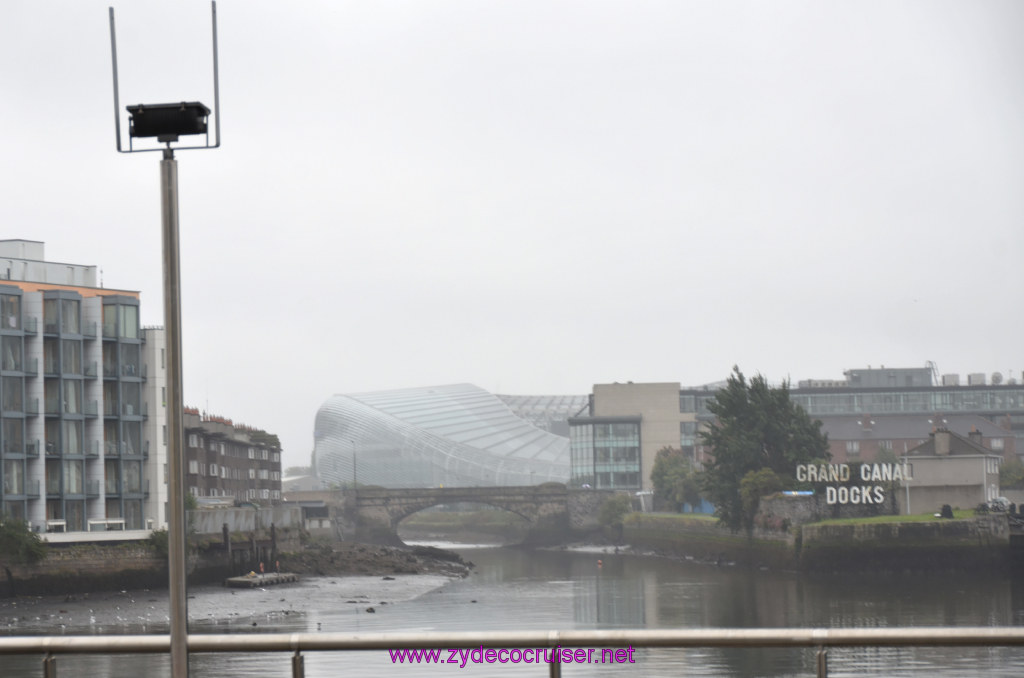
x=167 y=123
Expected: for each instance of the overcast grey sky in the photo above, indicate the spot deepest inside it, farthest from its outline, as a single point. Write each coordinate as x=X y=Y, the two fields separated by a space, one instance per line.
x=536 y=196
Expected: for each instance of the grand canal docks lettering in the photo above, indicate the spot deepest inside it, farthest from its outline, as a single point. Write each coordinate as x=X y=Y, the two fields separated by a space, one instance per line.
x=867 y=493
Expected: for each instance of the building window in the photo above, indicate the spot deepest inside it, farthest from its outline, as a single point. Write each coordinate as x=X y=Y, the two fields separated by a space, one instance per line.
x=853 y=447
x=10 y=311
x=193 y=440
x=193 y=467
x=997 y=444
x=252 y=474
x=885 y=445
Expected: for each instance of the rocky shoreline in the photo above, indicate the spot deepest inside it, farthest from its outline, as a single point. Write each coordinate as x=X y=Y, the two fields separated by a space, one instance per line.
x=363 y=577
x=351 y=558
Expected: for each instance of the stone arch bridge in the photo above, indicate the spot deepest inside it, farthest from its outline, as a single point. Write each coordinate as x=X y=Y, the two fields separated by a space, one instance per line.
x=554 y=512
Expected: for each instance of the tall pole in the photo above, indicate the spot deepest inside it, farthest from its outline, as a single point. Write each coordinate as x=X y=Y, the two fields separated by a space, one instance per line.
x=175 y=416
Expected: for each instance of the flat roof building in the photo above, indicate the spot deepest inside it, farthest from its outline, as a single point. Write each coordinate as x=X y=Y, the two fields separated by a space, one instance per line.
x=73 y=397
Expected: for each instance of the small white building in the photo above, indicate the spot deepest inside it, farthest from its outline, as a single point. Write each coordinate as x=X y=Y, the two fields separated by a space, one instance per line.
x=950 y=469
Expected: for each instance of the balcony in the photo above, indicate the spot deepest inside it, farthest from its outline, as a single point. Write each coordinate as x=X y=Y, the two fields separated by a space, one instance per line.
x=31 y=367
x=89 y=330
x=31 y=325
x=91 y=408
x=137 y=489
x=92 y=488
x=52 y=451
x=32 y=448
x=110 y=449
x=32 y=489
x=51 y=328
x=91 y=370
x=109 y=371
x=92 y=448
x=32 y=406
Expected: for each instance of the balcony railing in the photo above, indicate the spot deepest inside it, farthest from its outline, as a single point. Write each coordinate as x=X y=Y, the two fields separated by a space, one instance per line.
x=89 y=330
x=32 y=406
x=92 y=488
x=91 y=369
x=618 y=641
x=31 y=325
x=32 y=448
x=92 y=448
x=32 y=489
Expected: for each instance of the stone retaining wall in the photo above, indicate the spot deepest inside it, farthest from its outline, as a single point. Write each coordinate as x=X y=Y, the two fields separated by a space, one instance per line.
x=981 y=542
x=92 y=567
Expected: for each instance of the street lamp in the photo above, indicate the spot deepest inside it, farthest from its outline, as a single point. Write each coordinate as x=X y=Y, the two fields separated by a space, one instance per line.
x=167 y=123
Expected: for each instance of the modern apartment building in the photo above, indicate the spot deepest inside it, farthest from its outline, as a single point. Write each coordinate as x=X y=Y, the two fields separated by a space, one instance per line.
x=83 y=425
x=73 y=398
x=614 y=445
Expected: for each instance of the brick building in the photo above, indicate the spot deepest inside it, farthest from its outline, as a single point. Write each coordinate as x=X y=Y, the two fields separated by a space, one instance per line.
x=231 y=461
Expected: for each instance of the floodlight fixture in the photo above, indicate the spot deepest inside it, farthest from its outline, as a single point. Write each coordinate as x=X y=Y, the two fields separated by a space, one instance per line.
x=167 y=122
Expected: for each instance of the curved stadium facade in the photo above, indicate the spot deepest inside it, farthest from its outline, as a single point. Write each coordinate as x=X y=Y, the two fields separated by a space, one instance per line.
x=454 y=436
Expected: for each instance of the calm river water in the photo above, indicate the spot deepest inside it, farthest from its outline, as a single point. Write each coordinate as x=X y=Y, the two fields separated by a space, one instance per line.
x=540 y=590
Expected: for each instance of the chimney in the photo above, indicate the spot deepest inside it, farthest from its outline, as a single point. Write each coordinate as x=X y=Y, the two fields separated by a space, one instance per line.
x=974 y=436
x=942 y=442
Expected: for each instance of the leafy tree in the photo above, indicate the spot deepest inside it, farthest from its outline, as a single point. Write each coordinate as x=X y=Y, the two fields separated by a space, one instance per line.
x=613 y=510
x=674 y=478
x=756 y=427
x=19 y=545
x=753 y=486
x=1011 y=472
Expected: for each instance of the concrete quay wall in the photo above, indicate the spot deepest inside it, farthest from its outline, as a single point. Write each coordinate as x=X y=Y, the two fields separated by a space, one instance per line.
x=981 y=542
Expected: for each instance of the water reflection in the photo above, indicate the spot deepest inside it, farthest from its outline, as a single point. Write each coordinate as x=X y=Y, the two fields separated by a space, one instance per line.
x=523 y=589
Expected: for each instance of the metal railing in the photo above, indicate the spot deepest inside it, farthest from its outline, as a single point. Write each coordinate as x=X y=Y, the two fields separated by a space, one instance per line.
x=297 y=643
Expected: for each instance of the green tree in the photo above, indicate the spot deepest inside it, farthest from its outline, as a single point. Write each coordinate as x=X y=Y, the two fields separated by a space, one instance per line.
x=1011 y=472
x=674 y=478
x=613 y=510
x=753 y=486
x=19 y=545
x=756 y=427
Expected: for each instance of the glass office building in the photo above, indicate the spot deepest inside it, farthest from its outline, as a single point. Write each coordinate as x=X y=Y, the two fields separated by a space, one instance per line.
x=457 y=435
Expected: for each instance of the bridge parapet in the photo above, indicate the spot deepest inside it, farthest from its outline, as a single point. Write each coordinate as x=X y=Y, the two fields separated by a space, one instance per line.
x=378 y=511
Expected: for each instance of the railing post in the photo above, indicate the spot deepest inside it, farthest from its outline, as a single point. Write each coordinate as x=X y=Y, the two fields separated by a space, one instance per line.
x=49 y=666
x=555 y=667
x=822 y=662
x=298 y=665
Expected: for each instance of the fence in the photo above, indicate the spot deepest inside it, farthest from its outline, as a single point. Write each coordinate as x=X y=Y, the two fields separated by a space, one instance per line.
x=297 y=643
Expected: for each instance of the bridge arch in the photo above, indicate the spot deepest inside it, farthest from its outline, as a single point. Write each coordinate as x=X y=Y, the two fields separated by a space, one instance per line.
x=378 y=512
